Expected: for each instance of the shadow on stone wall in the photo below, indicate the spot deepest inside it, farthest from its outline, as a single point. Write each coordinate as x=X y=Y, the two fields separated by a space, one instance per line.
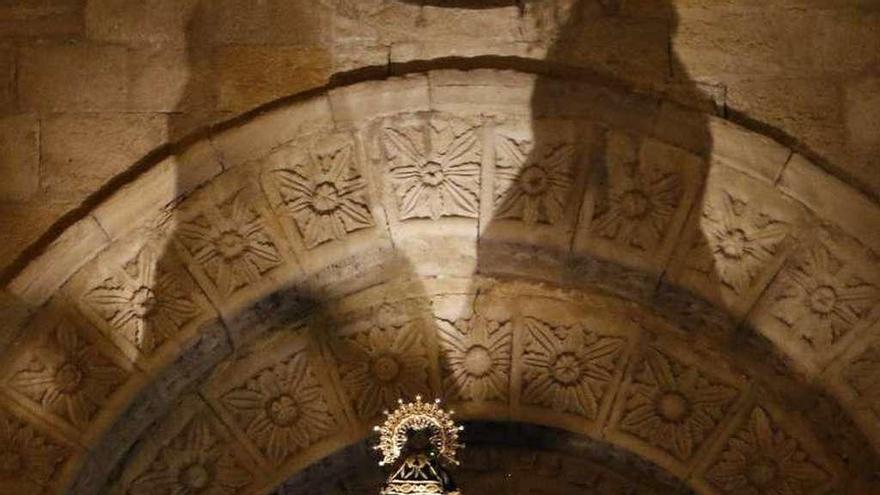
x=546 y=168
x=542 y=174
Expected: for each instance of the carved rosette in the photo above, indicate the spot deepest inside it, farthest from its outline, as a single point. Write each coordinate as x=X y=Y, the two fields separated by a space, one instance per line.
x=143 y=302
x=672 y=406
x=29 y=461
x=68 y=376
x=532 y=184
x=325 y=194
x=639 y=202
x=434 y=169
x=382 y=364
x=282 y=409
x=231 y=244
x=568 y=368
x=737 y=240
x=196 y=461
x=820 y=299
x=476 y=358
x=762 y=459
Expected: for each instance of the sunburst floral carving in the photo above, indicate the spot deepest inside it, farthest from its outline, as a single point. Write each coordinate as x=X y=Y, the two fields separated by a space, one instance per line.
x=434 y=170
x=532 y=184
x=381 y=365
x=740 y=239
x=282 y=408
x=325 y=195
x=761 y=459
x=196 y=462
x=476 y=358
x=68 y=376
x=28 y=460
x=568 y=368
x=639 y=203
x=232 y=246
x=143 y=303
x=672 y=406
x=821 y=299
x=863 y=374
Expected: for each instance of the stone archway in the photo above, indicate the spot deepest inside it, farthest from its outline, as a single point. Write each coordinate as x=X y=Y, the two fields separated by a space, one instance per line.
x=660 y=280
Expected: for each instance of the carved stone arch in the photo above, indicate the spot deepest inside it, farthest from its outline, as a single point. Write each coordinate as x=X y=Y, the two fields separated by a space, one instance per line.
x=593 y=260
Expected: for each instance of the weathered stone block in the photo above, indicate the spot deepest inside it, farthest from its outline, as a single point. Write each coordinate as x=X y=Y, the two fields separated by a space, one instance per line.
x=24 y=223
x=847 y=40
x=249 y=76
x=832 y=199
x=73 y=77
x=41 y=18
x=375 y=99
x=82 y=151
x=862 y=100
x=482 y=91
x=749 y=152
x=61 y=259
x=7 y=78
x=271 y=22
x=163 y=79
x=271 y=129
x=19 y=157
x=156 y=22
x=710 y=42
x=143 y=200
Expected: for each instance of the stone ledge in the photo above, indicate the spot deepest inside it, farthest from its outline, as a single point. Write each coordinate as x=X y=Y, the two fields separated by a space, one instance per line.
x=832 y=200
x=42 y=277
x=373 y=99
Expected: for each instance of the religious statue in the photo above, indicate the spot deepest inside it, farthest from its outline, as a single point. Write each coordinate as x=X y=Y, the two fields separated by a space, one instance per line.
x=417 y=439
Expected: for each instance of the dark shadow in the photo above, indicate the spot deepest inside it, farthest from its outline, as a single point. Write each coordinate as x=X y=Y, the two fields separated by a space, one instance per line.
x=503 y=458
x=549 y=174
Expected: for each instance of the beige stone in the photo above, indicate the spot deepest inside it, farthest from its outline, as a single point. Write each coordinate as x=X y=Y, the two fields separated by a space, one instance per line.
x=484 y=92
x=74 y=164
x=735 y=240
x=15 y=313
x=712 y=42
x=747 y=151
x=171 y=79
x=272 y=129
x=352 y=104
x=621 y=47
x=808 y=108
x=831 y=198
x=862 y=96
x=143 y=203
x=8 y=97
x=41 y=18
x=163 y=22
x=254 y=75
x=273 y=22
x=36 y=283
x=425 y=297
x=19 y=157
x=24 y=223
x=73 y=77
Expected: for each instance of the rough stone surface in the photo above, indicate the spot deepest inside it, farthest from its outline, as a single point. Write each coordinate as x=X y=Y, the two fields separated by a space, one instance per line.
x=19 y=157
x=253 y=75
x=801 y=69
x=73 y=77
x=498 y=238
x=80 y=151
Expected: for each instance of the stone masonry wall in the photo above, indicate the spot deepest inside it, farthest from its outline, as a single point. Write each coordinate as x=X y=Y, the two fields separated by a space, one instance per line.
x=89 y=88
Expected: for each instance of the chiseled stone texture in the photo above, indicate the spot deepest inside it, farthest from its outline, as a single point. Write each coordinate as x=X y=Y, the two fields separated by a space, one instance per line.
x=19 y=157
x=253 y=280
x=805 y=69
